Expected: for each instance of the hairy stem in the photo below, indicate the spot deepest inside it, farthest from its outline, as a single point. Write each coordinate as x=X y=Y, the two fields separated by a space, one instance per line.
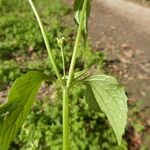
x=46 y=42
x=75 y=51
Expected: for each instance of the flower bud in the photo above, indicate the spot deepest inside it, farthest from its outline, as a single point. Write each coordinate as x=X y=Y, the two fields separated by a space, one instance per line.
x=60 y=41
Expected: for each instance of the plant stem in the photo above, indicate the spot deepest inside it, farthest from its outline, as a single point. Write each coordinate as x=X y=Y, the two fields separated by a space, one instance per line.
x=75 y=51
x=63 y=61
x=46 y=42
x=66 y=144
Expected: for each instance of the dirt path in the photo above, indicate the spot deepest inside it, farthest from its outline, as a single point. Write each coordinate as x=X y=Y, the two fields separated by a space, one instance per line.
x=123 y=29
x=127 y=21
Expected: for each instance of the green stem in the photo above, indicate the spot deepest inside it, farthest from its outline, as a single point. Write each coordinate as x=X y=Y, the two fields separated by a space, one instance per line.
x=46 y=42
x=66 y=144
x=75 y=51
x=63 y=61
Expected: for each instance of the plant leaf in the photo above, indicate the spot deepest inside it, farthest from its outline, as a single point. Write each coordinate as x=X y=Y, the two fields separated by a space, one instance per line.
x=103 y=92
x=20 y=99
x=78 y=4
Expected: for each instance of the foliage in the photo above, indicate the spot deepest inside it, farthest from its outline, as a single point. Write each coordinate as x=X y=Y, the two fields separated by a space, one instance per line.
x=12 y=69
x=19 y=32
x=9 y=71
x=84 y=126
x=8 y=5
x=43 y=128
x=78 y=5
x=20 y=99
x=103 y=92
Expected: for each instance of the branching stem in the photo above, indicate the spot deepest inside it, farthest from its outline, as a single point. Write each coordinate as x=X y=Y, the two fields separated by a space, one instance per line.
x=46 y=42
x=66 y=143
x=75 y=51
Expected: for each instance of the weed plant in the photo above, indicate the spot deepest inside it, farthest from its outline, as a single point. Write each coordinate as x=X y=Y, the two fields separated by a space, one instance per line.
x=103 y=95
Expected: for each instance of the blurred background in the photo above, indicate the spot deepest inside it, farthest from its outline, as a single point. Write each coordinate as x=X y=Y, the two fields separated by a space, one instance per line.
x=119 y=45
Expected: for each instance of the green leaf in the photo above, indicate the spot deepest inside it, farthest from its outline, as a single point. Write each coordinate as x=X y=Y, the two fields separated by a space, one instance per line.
x=20 y=99
x=104 y=93
x=78 y=5
x=89 y=96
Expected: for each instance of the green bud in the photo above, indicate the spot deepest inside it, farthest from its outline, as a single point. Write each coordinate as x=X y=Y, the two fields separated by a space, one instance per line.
x=60 y=41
